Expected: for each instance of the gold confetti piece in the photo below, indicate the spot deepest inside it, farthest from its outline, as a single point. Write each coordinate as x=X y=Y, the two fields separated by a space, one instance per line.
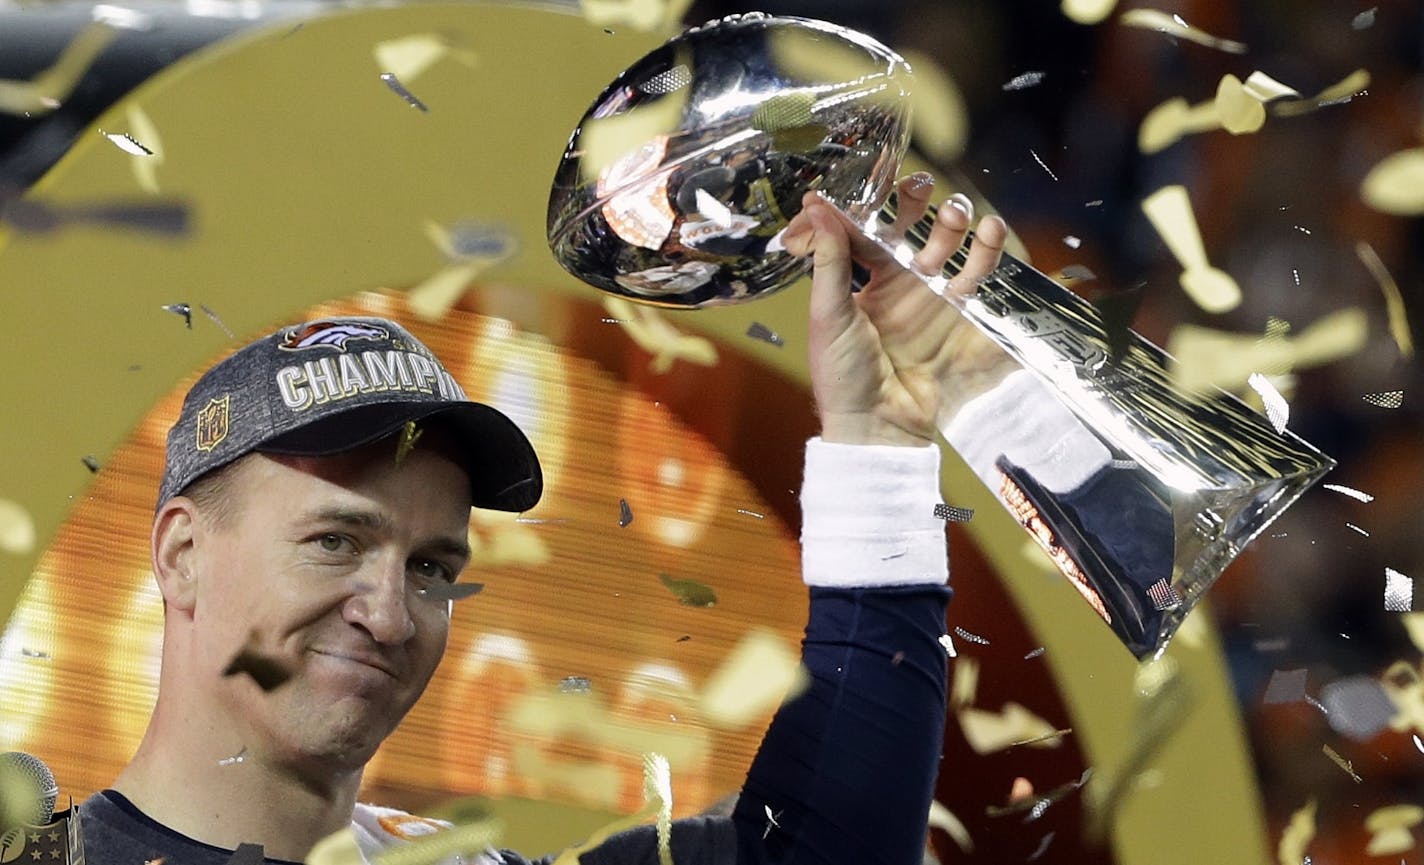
x=436 y=294
x=1173 y=25
x=987 y=732
x=338 y=848
x=656 y=335
x=1342 y=91
x=48 y=90
x=145 y=170
x=1405 y=686
x=465 y=840
x=408 y=57
x=1204 y=358
x=938 y=111
x=17 y=528
x=1385 y=399
x=1296 y=837
x=690 y=592
x=1277 y=409
x=1169 y=122
x=612 y=145
x=1170 y=211
x=943 y=818
x=409 y=435
x=1240 y=110
x=1393 y=300
x=643 y=15
x=1266 y=89
x=1341 y=762
x=656 y=786
x=1390 y=827
x=1087 y=11
x=965 y=684
x=757 y=675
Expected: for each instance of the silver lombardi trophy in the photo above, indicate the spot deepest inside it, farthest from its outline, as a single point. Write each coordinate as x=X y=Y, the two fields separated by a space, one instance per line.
x=674 y=190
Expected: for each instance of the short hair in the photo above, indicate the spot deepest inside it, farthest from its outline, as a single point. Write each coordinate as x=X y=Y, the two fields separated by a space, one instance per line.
x=215 y=492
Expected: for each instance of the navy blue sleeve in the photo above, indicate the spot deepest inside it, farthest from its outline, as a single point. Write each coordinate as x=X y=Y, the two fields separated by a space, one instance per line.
x=846 y=771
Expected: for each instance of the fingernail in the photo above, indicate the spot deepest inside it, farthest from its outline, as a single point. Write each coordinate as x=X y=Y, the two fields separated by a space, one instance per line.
x=919 y=181
x=962 y=201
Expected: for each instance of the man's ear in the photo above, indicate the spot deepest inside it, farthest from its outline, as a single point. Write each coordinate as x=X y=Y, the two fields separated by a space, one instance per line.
x=173 y=549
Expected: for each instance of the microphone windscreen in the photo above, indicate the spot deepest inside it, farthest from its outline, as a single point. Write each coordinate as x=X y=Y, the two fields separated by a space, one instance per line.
x=27 y=790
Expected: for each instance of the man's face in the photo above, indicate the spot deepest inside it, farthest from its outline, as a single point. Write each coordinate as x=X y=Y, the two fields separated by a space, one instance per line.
x=326 y=560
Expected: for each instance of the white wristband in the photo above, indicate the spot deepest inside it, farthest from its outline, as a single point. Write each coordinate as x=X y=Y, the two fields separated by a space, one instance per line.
x=868 y=516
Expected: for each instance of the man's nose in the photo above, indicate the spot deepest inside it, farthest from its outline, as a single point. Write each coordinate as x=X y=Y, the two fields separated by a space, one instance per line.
x=379 y=606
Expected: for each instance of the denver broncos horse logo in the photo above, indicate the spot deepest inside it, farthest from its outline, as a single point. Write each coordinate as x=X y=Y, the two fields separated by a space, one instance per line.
x=334 y=334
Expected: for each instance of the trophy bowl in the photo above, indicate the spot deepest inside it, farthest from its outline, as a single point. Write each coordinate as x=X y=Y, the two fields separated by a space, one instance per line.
x=674 y=191
x=678 y=181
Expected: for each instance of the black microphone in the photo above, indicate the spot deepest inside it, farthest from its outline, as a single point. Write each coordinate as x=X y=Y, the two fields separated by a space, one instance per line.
x=27 y=795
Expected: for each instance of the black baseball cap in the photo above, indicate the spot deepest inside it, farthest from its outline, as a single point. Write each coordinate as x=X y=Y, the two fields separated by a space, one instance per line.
x=325 y=387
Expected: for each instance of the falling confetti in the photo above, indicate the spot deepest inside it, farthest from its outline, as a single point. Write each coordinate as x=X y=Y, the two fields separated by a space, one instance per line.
x=1336 y=94
x=643 y=15
x=1172 y=25
x=1170 y=211
x=939 y=111
x=625 y=513
x=656 y=335
x=1087 y=11
x=248 y=854
x=1072 y=241
x=121 y=17
x=452 y=591
x=1357 y=707
x=1354 y=528
x=1285 y=686
x=1277 y=409
x=1202 y=357
x=1341 y=762
x=213 y=316
x=1393 y=300
x=1035 y=653
x=410 y=434
x=746 y=513
x=36 y=654
x=400 y=90
x=690 y=592
x=17 y=528
x=575 y=685
x=408 y=57
x=953 y=514
x=1347 y=491
x=947 y=642
x=1076 y=272
x=1398 y=591
x=944 y=819
x=1042 y=164
x=268 y=672
x=1024 y=81
x=239 y=757
x=1395 y=185
x=758 y=673
x=1385 y=399
x=126 y=143
x=90 y=462
x=1296 y=837
x=1389 y=827
x=973 y=638
x=49 y=89
x=988 y=732
x=965 y=685
x=1364 y=21
x=765 y=334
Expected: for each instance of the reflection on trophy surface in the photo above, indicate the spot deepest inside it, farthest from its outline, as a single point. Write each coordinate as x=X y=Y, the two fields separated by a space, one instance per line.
x=675 y=188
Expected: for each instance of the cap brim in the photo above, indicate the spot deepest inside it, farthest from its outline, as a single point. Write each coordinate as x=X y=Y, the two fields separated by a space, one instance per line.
x=502 y=466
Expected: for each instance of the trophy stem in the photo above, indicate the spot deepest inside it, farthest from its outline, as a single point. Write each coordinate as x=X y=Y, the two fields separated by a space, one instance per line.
x=1141 y=491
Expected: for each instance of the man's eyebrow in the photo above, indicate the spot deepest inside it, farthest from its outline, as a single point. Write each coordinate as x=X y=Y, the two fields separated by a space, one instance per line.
x=368 y=519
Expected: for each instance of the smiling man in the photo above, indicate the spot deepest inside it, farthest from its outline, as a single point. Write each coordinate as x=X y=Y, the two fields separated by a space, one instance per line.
x=311 y=524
